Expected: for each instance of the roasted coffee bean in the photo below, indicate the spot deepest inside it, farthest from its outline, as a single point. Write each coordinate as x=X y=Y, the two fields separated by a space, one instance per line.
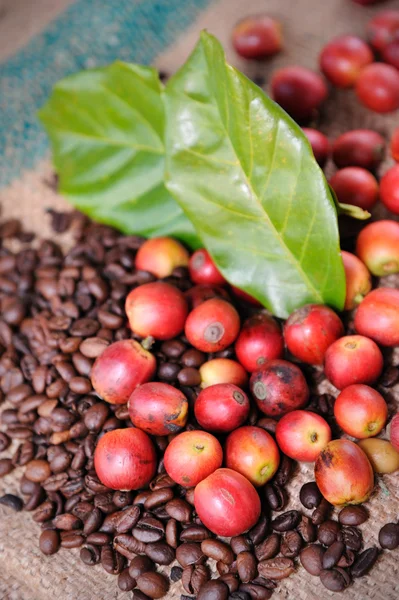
x=160 y=552
x=189 y=496
x=267 y=583
x=96 y=416
x=173 y=348
x=71 y=539
x=154 y=585
x=353 y=515
x=158 y=498
x=171 y=533
x=127 y=519
x=186 y=579
x=142 y=564
x=322 y=512
x=352 y=538
x=4 y=441
x=6 y=466
x=189 y=377
x=291 y=544
x=17 y=432
x=286 y=521
x=176 y=574
x=347 y=559
x=90 y=555
x=18 y=393
x=44 y=512
x=98 y=538
x=123 y=499
x=61 y=462
x=12 y=501
x=195 y=533
x=82 y=364
x=67 y=522
x=231 y=580
x=168 y=371
x=311 y=559
x=125 y=582
x=83 y=510
x=149 y=530
x=333 y=554
x=276 y=568
x=239 y=543
x=389 y=377
x=217 y=550
x=268 y=424
x=38 y=470
x=111 y=561
x=364 y=562
x=35 y=499
x=190 y=554
x=105 y=503
x=162 y=481
x=193 y=358
x=128 y=546
x=179 y=509
x=9 y=416
x=49 y=542
x=199 y=577
x=137 y=595
x=307 y=529
x=252 y=591
x=110 y=522
x=258 y=533
x=246 y=566
x=388 y=536
x=284 y=471
x=213 y=590
x=328 y=532
x=334 y=580
x=275 y=496
x=269 y=548
x=310 y=495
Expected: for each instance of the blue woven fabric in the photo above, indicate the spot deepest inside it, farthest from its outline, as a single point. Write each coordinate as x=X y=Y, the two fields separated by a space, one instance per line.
x=89 y=33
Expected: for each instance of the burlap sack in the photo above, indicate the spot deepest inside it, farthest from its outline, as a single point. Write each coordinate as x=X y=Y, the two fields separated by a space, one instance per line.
x=25 y=574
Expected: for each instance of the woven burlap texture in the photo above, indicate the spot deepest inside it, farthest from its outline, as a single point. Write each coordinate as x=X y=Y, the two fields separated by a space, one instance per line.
x=25 y=574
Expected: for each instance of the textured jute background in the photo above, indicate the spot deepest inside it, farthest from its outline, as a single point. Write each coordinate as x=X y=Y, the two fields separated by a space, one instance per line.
x=24 y=573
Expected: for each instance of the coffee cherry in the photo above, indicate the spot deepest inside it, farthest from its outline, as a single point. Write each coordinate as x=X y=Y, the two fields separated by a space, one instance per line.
x=353 y=359
x=358 y=280
x=378 y=316
x=160 y=256
x=221 y=408
x=383 y=29
x=257 y=37
x=359 y=148
x=378 y=88
x=356 y=186
x=212 y=326
x=390 y=54
x=260 y=340
x=378 y=247
x=342 y=59
x=299 y=91
x=389 y=189
x=320 y=144
x=395 y=145
x=203 y=270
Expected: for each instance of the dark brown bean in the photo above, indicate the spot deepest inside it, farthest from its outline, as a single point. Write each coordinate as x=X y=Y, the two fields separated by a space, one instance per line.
x=37 y=470
x=246 y=566
x=49 y=542
x=158 y=497
x=193 y=358
x=213 y=590
x=275 y=496
x=160 y=552
x=125 y=582
x=328 y=532
x=364 y=562
x=4 y=441
x=388 y=536
x=154 y=585
x=286 y=521
x=6 y=466
x=307 y=529
x=321 y=513
x=217 y=550
x=98 y=538
x=269 y=548
x=128 y=546
x=61 y=462
x=353 y=515
x=310 y=495
x=111 y=561
x=258 y=533
x=176 y=574
x=137 y=595
x=67 y=522
x=190 y=554
x=123 y=499
x=140 y=565
x=189 y=377
x=179 y=509
x=352 y=538
x=44 y=512
x=291 y=544
x=347 y=559
x=127 y=519
x=171 y=533
x=284 y=471
x=333 y=554
x=96 y=416
x=276 y=568
x=335 y=580
x=12 y=501
x=252 y=591
x=195 y=533
x=239 y=544
x=18 y=393
x=311 y=559
x=148 y=530
x=90 y=555
x=71 y=539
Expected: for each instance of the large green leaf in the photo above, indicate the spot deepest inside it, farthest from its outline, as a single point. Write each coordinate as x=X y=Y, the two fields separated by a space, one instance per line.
x=245 y=175
x=107 y=127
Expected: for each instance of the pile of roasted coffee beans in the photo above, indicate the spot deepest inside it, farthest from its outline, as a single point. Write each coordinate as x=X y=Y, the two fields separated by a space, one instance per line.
x=59 y=311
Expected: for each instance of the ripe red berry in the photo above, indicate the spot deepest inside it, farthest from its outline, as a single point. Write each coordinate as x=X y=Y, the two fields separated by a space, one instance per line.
x=257 y=37
x=299 y=91
x=203 y=270
x=389 y=189
x=395 y=145
x=390 y=54
x=367 y=2
x=221 y=408
x=310 y=330
x=358 y=280
x=378 y=88
x=378 y=247
x=260 y=340
x=156 y=309
x=342 y=59
x=200 y=293
x=320 y=144
x=378 y=316
x=160 y=256
x=213 y=325
x=158 y=408
x=353 y=359
x=383 y=29
x=359 y=148
x=356 y=186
